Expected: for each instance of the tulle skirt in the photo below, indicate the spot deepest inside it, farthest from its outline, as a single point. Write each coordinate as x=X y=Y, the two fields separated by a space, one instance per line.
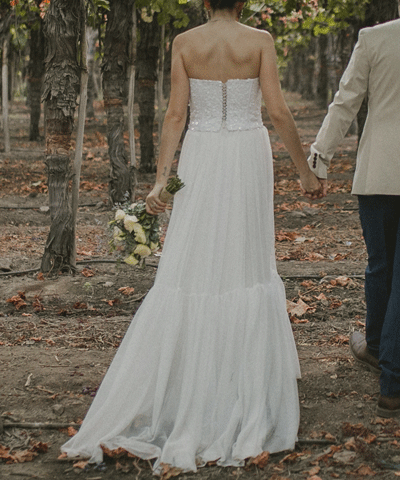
x=207 y=369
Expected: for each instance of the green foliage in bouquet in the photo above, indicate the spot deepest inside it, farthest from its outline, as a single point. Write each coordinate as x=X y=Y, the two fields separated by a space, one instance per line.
x=135 y=233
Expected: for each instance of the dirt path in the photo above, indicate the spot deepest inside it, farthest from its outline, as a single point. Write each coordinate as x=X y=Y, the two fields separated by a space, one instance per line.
x=55 y=349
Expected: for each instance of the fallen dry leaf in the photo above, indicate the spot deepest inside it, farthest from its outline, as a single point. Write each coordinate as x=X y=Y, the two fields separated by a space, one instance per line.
x=314 y=471
x=37 y=304
x=116 y=453
x=381 y=421
x=292 y=457
x=18 y=300
x=286 y=236
x=81 y=464
x=40 y=447
x=339 y=340
x=18 y=456
x=370 y=438
x=340 y=281
x=313 y=257
x=80 y=305
x=168 y=472
x=355 y=430
x=126 y=290
x=87 y=273
x=335 y=304
x=297 y=320
x=363 y=471
x=328 y=453
x=261 y=460
x=22 y=456
x=296 y=309
x=350 y=444
x=71 y=431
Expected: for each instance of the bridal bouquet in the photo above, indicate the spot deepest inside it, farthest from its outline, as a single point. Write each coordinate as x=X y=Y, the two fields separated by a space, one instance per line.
x=135 y=232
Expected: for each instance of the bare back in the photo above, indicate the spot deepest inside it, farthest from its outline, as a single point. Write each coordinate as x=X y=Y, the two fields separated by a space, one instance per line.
x=222 y=50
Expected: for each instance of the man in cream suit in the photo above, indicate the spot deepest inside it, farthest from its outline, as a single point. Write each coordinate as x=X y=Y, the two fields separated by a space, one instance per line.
x=374 y=73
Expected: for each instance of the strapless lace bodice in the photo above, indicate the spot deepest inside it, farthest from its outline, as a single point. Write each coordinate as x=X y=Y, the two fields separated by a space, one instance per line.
x=234 y=105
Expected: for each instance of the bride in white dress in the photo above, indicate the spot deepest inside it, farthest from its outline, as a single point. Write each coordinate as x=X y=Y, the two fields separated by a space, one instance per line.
x=207 y=370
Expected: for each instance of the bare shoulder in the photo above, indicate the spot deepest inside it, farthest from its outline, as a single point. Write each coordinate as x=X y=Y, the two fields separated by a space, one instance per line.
x=264 y=37
x=188 y=36
x=260 y=35
x=260 y=39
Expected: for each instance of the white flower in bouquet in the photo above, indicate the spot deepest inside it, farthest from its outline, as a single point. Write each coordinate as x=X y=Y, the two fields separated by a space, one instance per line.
x=129 y=222
x=131 y=260
x=119 y=215
x=142 y=251
x=140 y=235
x=135 y=233
x=154 y=246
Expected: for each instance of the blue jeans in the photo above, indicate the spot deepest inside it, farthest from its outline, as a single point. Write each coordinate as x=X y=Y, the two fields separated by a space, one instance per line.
x=380 y=221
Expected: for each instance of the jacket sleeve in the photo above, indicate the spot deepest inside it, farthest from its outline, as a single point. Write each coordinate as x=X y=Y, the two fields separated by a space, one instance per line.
x=353 y=88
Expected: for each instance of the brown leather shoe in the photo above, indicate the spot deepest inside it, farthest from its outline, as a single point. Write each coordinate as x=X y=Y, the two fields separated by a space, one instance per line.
x=360 y=352
x=388 y=407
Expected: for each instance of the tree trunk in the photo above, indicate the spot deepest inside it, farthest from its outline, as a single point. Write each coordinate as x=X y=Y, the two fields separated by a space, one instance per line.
x=146 y=75
x=292 y=73
x=83 y=97
x=4 y=74
x=61 y=87
x=322 y=71
x=131 y=96
x=35 y=72
x=91 y=88
x=114 y=68
x=307 y=71
x=160 y=85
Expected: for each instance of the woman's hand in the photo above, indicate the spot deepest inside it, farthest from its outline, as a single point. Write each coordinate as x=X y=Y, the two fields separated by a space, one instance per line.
x=154 y=205
x=313 y=187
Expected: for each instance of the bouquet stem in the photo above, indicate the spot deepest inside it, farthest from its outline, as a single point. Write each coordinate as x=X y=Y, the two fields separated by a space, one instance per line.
x=174 y=185
x=165 y=196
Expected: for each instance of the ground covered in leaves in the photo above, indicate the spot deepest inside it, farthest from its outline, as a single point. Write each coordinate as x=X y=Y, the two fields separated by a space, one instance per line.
x=58 y=335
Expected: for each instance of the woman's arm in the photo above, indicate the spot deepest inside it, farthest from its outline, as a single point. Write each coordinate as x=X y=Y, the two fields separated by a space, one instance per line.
x=174 y=123
x=282 y=118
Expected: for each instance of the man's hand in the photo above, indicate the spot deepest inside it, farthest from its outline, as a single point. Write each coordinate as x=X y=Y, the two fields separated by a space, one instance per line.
x=313 y=187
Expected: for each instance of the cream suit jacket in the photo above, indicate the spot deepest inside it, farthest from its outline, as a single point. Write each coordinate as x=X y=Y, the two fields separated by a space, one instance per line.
x=373 y=71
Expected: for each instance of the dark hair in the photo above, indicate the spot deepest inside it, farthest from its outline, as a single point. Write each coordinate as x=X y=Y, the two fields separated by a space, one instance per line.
x=223 y=4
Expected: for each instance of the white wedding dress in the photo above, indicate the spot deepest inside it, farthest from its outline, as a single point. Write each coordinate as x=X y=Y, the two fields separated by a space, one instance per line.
x=207 y=370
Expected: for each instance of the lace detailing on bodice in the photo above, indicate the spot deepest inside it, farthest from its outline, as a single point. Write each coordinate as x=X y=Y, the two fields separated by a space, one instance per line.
x=235 y=105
